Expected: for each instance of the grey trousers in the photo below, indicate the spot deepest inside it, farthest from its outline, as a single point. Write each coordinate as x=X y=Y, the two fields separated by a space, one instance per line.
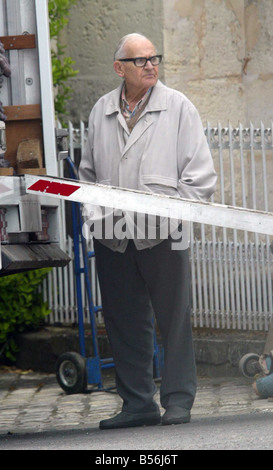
x=134 y=286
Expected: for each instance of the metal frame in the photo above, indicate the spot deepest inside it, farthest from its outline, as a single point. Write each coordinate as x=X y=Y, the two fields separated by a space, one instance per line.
x=95 y=363
x=47 y=100
x=146 y=203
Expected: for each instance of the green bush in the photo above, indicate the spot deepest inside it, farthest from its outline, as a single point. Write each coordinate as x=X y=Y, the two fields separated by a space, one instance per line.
x=22 y=308
x=62 y=66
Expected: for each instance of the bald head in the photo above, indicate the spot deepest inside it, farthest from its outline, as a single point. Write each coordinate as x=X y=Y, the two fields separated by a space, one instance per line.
x=127 y=41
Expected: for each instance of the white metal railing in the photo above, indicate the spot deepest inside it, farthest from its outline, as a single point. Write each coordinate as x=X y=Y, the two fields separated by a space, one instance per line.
x=231 y=270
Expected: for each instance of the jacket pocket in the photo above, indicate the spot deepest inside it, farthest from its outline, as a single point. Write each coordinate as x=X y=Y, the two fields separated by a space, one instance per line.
x=159 y=184
x=159 y=179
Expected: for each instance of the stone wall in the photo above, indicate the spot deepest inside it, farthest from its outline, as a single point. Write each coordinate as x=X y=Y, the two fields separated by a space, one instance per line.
x=218 y=52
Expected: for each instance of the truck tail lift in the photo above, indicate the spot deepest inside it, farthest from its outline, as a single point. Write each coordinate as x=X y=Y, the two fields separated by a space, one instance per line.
x=30 y=228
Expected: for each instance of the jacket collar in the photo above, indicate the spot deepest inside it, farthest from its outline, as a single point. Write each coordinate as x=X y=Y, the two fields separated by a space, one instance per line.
x=157 y=101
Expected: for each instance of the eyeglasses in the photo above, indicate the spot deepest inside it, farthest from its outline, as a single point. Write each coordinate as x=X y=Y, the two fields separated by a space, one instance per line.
x=142 y=61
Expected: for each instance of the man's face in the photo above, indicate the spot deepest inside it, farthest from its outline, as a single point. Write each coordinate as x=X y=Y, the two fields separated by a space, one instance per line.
x=138 y=79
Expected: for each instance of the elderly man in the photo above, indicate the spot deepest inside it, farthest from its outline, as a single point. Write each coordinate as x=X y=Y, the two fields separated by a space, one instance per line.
x=148 y=137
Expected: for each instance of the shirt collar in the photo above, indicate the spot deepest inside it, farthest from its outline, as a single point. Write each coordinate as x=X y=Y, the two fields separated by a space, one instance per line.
x=157 y=102
x=125 y=105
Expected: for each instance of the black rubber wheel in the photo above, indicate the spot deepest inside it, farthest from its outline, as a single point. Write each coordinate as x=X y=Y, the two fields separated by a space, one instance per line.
x=249 y=365
x=71 y=372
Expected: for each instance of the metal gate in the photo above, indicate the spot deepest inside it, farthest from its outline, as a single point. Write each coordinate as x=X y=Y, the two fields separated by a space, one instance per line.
x=231 y=270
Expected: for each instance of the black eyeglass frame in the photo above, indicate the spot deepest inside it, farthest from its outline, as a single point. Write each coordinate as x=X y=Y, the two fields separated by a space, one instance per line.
x=143 y=58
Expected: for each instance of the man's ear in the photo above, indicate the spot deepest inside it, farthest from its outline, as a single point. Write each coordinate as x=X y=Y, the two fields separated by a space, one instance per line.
x=118 y=67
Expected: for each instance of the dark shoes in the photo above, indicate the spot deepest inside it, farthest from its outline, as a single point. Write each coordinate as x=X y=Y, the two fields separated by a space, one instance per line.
x=173 y=415
x=129 y=420
x=176 y=415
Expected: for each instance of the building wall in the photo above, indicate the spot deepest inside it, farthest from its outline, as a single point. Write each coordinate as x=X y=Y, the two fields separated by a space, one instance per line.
x=217 y=52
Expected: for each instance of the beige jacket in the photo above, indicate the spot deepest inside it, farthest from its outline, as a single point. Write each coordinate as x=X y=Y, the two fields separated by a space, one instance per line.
x=167 y=151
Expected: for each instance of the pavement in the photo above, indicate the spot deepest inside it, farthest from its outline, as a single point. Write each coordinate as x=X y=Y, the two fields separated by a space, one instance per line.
x=32 y=402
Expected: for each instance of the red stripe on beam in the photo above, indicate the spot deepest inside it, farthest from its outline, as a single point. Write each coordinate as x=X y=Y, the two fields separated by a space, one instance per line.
x=51 y=187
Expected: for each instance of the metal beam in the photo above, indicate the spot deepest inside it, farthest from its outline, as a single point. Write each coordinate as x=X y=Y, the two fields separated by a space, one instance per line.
x=47 y=99
x=166 y=206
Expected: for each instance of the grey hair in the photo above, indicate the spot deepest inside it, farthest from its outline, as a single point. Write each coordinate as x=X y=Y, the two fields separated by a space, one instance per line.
x=120 y=52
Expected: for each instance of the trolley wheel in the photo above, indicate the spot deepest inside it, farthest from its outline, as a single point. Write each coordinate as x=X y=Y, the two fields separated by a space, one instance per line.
x=249 y=365
x=71 y=372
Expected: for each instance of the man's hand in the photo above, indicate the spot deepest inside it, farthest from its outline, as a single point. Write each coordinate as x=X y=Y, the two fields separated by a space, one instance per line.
x=4 y=64
x=3 y=117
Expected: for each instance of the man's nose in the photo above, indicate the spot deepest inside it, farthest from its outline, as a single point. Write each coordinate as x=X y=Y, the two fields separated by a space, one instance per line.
x=149 y=65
